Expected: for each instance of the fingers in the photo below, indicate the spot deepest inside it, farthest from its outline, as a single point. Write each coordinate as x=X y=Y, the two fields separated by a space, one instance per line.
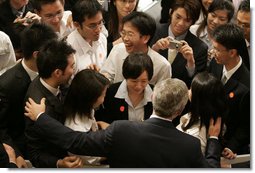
x=211 y=121
x=218 y=122
x=73 y=162
x=43 y=101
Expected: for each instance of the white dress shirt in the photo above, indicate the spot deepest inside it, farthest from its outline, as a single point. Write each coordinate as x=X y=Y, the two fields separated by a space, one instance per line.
x=84 y=124
x=194 y=130
x=85 y=53
x=134 y=113
x=7 y=55
x=65 y=30
x=113 y=65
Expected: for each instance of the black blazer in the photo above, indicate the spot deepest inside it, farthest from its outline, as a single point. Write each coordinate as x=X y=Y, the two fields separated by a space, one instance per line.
x=7 y=18
x=128 y=144
x=117 y=109
x=42 y=153
x=13 y=87
x=179 y=64
x=242 y=74
x=237 y=120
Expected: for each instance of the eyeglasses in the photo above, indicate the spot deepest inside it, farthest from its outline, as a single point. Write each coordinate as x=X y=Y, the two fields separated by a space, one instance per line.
x=52 y=16
x=218 y=51
x=94 y=26
x=124 y=2
x=243 y=25
x=129 y=34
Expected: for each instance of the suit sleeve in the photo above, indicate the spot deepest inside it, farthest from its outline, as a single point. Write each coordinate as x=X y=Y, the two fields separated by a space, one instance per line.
x=82 y=143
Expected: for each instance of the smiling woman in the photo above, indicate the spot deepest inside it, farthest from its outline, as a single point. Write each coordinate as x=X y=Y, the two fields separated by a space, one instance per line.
x=131 y=98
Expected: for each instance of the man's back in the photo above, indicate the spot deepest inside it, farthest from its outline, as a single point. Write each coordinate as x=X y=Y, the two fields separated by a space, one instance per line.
x=152 y=143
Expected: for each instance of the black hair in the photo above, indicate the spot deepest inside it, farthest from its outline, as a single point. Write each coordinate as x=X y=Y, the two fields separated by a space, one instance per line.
x=53 y=55
x=135 y=64
x=208 y=100
x=143 y=22
x=83 y=92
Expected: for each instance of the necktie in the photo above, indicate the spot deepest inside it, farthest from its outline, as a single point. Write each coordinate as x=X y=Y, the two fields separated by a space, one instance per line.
x=224 y=79
x=59 y=95
x=171 y=55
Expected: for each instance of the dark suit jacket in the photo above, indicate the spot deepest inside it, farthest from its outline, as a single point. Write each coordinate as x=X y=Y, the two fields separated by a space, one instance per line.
x=237 y=88
x=42 y=153
x=7 y=18
x=179 y=64
x=111 y=110
x=242 y=74
x=128 y=144
x=13 y=87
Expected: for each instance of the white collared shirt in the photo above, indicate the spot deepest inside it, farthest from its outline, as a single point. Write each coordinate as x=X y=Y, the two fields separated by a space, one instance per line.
x=134 y=113
x=32 y=74
x=112 y=67
x=85 y=53
x=203 y=35
x=194 y=130
x=158 y=117
x=84 y=124
x=65 y=30
x=54 y=91
x=7 y=55
x=229 y=73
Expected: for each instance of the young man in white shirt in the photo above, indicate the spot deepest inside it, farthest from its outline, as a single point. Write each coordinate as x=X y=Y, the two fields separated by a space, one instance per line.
x=137 y=32
x=88 y=40
x=53 y=14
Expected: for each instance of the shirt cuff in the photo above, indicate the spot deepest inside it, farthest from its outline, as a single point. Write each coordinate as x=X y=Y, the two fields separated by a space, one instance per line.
x=39 y=115
x=191 y=71
x=214 y=137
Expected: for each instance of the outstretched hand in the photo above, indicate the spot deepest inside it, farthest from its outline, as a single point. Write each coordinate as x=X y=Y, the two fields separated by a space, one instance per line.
x=33 y=109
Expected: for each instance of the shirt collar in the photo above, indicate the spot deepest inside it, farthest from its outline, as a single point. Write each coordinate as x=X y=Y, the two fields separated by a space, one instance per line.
x=122 y=92
x=20 y=12
x=158 y=117
x=32 y=74
x=84 y=44
x=229 y=73
x=54 y=91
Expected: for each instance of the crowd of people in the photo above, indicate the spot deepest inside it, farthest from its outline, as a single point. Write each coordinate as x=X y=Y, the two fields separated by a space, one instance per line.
x=92 y=83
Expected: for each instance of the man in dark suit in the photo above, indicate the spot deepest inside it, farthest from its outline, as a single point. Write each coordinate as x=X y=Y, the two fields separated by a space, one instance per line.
x=152 y=143
x=190 y=56
x=13 y=87
x=55 y=64
x=229 y=67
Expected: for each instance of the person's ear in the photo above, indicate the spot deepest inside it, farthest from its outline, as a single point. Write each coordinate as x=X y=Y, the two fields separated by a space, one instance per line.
x=58 y=73
x=233 y=52
x=35 y=53
x=76 y=25
x=146 y=38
